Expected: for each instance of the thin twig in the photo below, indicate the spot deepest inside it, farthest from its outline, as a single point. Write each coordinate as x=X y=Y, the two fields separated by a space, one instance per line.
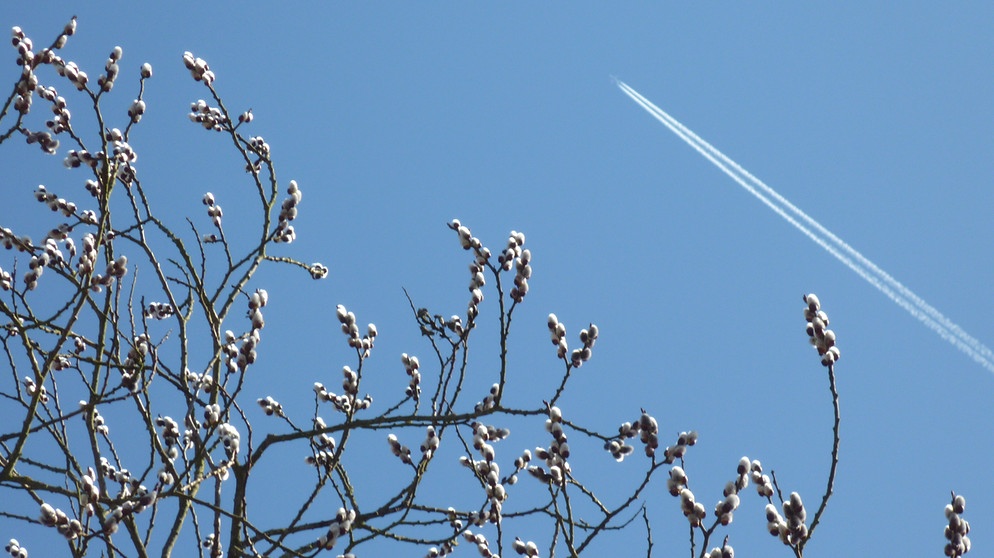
x=835 y=459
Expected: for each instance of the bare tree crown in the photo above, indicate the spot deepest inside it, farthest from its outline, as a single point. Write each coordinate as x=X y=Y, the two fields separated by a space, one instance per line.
x=128 y=439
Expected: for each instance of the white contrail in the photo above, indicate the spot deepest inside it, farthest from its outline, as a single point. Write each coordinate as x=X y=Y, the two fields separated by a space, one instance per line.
x=917 y=307
x=894 y=284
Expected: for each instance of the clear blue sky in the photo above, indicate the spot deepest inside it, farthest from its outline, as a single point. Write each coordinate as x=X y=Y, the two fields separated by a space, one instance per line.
x=875 y=118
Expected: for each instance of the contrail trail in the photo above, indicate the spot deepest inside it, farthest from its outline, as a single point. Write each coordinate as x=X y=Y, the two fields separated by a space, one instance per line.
x=886 y=284
x=894 y=284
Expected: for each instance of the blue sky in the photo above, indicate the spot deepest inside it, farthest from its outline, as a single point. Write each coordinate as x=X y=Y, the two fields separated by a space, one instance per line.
x=874 y=118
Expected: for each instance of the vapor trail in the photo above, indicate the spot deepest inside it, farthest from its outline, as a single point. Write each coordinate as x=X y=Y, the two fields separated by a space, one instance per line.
x=886 y=284
x=887 y=279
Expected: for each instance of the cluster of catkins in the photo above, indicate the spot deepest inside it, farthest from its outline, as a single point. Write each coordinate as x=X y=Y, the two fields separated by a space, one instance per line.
x=174 y=440
x=466 y=238
x=288 y=212
x=171 y=440
x=477 y=280
x=482 y=545
x=523 y=548
x=69 y=70
x=212 y=416
x=61 y=362
x=725 y=551
x=50 y=254
x=514 y=256
x=10 y=241
x=318 y=270
x=351 y=329
x=116 y=269
x=159 y=310
x=136 y=500
x=121 y=150
x=481 y=517
x=106 y=81
x=430 y=445
x=399 y=450
x=647 y=430
x=198 y=68
x=90 y=492
x=484 y=436
x=958 y=543
x=259 y=146
x=28 y=83
x=213 y=543
x=137 y=109
x=557 y=332
x=135 y=363
x=60 y=234
x=213 y=211
x=99 y=425
x=31 y=387
x=54 y=202
x=211 y=118
x=324 y=446
x=488 y=472
x=693 y=510
x=144 y=500
x=764 y=486
x=170 y=435
x=15 y=549
x=228 y=435
x=555 y=457
x=129 y=485
x=256 y=302
x=203 y=382
x=339 y=526
x=239 y=357
x=6 y=280
x=92 y=186
x=411 y=366
x=88 y=258
x=271 y=406
x=822 y=338
x=489 y=401
x=60 y=122
x=137 y=497
x=447 y=547
x=724 y=510
x=75 y=159
x=71 y=529
x=789 y=527
x=52 y=257
x=29 y=60
x=520 y=259
x=170 y=430
x=346 y=402
x=48 y=144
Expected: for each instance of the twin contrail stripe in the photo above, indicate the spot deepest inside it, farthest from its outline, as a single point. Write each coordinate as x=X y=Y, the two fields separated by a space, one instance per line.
x=870 y=272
